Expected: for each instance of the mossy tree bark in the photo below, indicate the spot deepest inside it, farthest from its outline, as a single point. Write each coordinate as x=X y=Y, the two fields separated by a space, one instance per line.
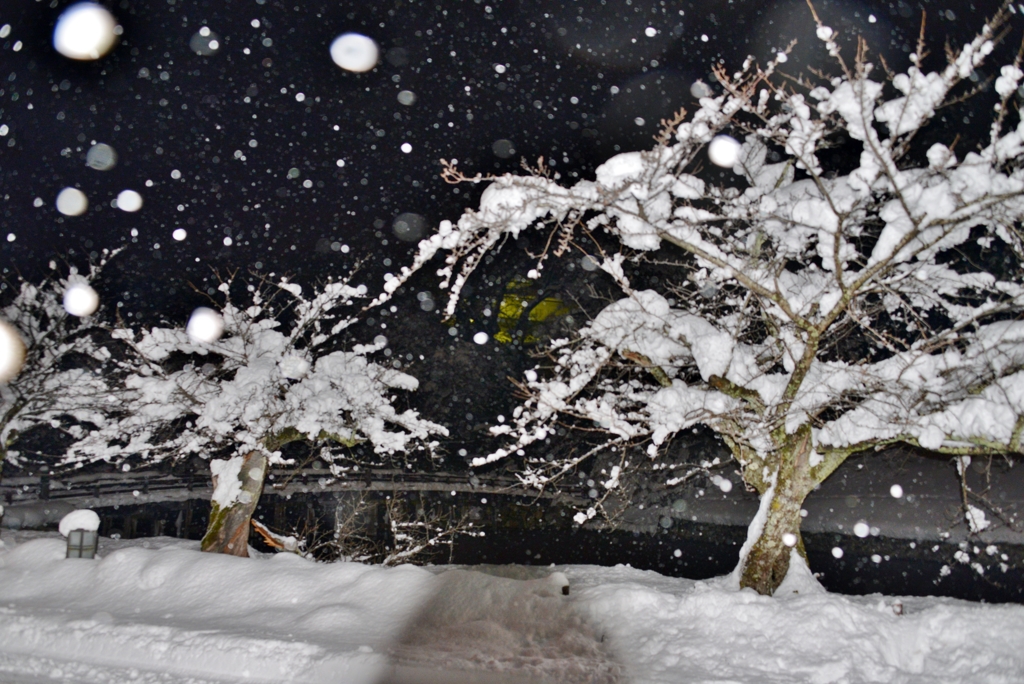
x=767 y=562
x=229 y=527
x=228 y=531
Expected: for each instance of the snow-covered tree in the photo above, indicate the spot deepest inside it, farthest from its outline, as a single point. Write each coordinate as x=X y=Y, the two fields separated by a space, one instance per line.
x=67 y=380
x=277 y=375
x=846 y=288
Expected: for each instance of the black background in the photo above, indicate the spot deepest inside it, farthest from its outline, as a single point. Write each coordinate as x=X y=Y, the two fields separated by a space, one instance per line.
x=581 y=80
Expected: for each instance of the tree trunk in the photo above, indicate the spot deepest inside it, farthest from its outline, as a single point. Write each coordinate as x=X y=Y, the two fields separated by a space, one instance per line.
x=767 y=562
x=228 y=531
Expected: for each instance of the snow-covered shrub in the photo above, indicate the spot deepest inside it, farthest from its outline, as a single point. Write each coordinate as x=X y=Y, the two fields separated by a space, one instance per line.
x=418 y=532
x=824 y=304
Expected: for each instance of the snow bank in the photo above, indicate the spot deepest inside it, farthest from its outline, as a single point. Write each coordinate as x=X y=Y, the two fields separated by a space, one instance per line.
x=662 y=628
x=159 y=611
x=174 y=613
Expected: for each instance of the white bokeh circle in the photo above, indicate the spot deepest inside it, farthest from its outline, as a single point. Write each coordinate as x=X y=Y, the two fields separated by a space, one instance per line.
x=129 y=200
x=205 y=325
x=724 y=151
x=12 y=352
x=85 y=31
x=354 y=52
x=80 y=299
x=72 y=202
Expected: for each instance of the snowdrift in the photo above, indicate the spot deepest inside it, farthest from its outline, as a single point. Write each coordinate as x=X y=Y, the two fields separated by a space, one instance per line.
x=158 y=610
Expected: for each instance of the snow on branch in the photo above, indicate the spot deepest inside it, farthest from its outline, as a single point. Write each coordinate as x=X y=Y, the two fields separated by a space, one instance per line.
x=71 y=367
x=866 y=299
x=278 y=374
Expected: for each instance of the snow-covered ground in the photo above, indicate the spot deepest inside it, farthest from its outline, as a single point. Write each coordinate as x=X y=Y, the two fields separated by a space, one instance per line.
x=158 y=610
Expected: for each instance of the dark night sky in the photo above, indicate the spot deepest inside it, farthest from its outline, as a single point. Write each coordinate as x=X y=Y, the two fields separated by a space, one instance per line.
x=245 y=143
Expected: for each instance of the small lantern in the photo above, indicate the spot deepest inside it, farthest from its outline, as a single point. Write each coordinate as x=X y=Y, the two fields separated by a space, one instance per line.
x=81 y=528
x=82 y=543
